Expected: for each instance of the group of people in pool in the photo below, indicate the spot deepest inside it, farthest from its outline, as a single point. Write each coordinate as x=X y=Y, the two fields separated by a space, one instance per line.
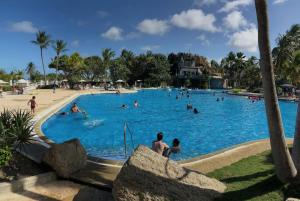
x=162 y=148
x=135 y=104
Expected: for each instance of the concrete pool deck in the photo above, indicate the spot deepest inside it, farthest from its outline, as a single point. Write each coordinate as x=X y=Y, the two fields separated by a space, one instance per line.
x=102 y=172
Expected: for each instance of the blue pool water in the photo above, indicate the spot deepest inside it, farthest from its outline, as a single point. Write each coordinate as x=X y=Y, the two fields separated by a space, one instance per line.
x=219 y=125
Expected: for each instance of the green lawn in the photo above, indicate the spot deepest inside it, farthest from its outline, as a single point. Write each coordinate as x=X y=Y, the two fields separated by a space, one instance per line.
x=253 y=178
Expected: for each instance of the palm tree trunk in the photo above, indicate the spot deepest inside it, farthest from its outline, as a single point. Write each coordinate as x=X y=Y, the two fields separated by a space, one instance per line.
x=296 y=146
x=56 y=70
x=43 y=65
x=284 y=166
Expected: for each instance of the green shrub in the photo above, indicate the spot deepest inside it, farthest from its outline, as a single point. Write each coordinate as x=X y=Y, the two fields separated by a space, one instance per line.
x=7 y=88
x=236 y=90
x=15 y=128
x=5 y=156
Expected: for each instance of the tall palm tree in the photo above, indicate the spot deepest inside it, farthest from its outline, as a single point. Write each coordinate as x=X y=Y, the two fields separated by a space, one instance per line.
x=59 y=47
x=43 y=41
x=30 y=69
x=284 y=165
x=107 y=56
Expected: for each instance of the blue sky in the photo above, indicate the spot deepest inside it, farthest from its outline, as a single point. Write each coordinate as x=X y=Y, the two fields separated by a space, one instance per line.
x=210 y=28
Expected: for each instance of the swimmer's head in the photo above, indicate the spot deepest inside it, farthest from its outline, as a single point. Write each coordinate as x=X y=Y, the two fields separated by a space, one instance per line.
x=160 y=136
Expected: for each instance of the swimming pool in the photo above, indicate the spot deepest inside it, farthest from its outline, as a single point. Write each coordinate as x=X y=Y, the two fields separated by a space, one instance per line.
x=219 y=124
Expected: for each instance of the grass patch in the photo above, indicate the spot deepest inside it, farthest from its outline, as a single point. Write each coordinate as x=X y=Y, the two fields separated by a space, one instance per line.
x=252 y=179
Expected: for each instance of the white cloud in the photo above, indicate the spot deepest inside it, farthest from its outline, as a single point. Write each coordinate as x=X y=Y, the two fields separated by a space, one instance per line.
x=113 y=33
x=203 y=39
x=234 y=4
x=204 y=2
x=23 y=26
x=153 y=26
x=279 y=1
x=102 y=14
x=234 y=20
x=245 y=40
x=75 y=43
x=195 y=19
x=150 y=47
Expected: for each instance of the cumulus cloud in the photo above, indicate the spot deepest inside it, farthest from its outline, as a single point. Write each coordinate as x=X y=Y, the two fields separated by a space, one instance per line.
x=75 y=43
x=279 y=1
x=113 y=33
x=195 y=19
x=153 y=26
x=150 y=47
x=234 y=20
x=204 y=2
x=23 y=26
x=245 y=40
x=203 y=39
x=234 y=4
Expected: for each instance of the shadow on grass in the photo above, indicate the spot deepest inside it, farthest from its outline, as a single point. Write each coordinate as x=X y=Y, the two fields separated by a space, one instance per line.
x=248 y=177
x=258 y=189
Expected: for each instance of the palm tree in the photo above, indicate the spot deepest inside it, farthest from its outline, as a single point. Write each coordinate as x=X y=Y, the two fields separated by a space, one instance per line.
x=30 y=70
x=43 y=41
x=107 y=55
x=284 y=165
x=59 y=47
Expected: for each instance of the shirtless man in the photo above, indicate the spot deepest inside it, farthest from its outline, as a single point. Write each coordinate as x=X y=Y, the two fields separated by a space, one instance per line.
x=74 y=108
x=33 y=104
x=158 y=145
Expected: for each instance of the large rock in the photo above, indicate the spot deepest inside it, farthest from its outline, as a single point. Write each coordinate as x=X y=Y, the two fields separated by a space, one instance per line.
x=148 y=176
x=66 y=158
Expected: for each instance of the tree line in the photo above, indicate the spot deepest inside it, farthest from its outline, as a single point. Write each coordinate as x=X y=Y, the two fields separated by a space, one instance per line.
x=156 y=68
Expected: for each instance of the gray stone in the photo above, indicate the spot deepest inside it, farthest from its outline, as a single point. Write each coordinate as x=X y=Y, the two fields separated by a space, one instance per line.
x=92 y=194
x=66 y=158
x=148 y=176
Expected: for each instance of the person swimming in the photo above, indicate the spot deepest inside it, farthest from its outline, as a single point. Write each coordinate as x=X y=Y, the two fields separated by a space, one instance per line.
x=124 y=106
x=177 y=97
x=74 y=108
x=195 y=111
x=218 y=99
x=222 y=98
x=189 y=106
x=63 y=113
x=174 y=149
x=136 y=104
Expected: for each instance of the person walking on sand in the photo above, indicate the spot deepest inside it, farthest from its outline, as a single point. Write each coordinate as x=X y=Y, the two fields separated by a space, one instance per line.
x=32 y=104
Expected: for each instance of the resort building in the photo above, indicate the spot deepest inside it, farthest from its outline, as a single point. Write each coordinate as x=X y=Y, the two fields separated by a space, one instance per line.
x=188 y=69
x=191 y=75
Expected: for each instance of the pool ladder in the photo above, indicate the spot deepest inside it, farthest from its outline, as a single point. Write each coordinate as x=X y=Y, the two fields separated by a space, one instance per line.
x=125 y=141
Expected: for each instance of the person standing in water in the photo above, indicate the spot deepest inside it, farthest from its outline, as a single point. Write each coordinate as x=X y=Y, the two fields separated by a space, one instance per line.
x=136 y=104
x=174 y=149
x=32 y=104
x=158 y=145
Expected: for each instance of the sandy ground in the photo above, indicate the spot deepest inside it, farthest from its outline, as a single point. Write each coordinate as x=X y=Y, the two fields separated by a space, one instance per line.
x=44 y=98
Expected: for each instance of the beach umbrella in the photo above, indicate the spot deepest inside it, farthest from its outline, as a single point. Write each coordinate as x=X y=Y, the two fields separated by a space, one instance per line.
x=120 y=81
x=81 y=80
x=65 y=80
x=3 y=82
x=22 y=81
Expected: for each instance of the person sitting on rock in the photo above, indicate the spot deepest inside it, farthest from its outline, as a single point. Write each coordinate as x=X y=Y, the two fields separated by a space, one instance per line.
x=158 y=145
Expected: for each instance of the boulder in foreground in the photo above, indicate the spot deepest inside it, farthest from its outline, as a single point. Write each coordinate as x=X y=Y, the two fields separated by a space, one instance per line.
x=66 y=158
x=148 y=176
